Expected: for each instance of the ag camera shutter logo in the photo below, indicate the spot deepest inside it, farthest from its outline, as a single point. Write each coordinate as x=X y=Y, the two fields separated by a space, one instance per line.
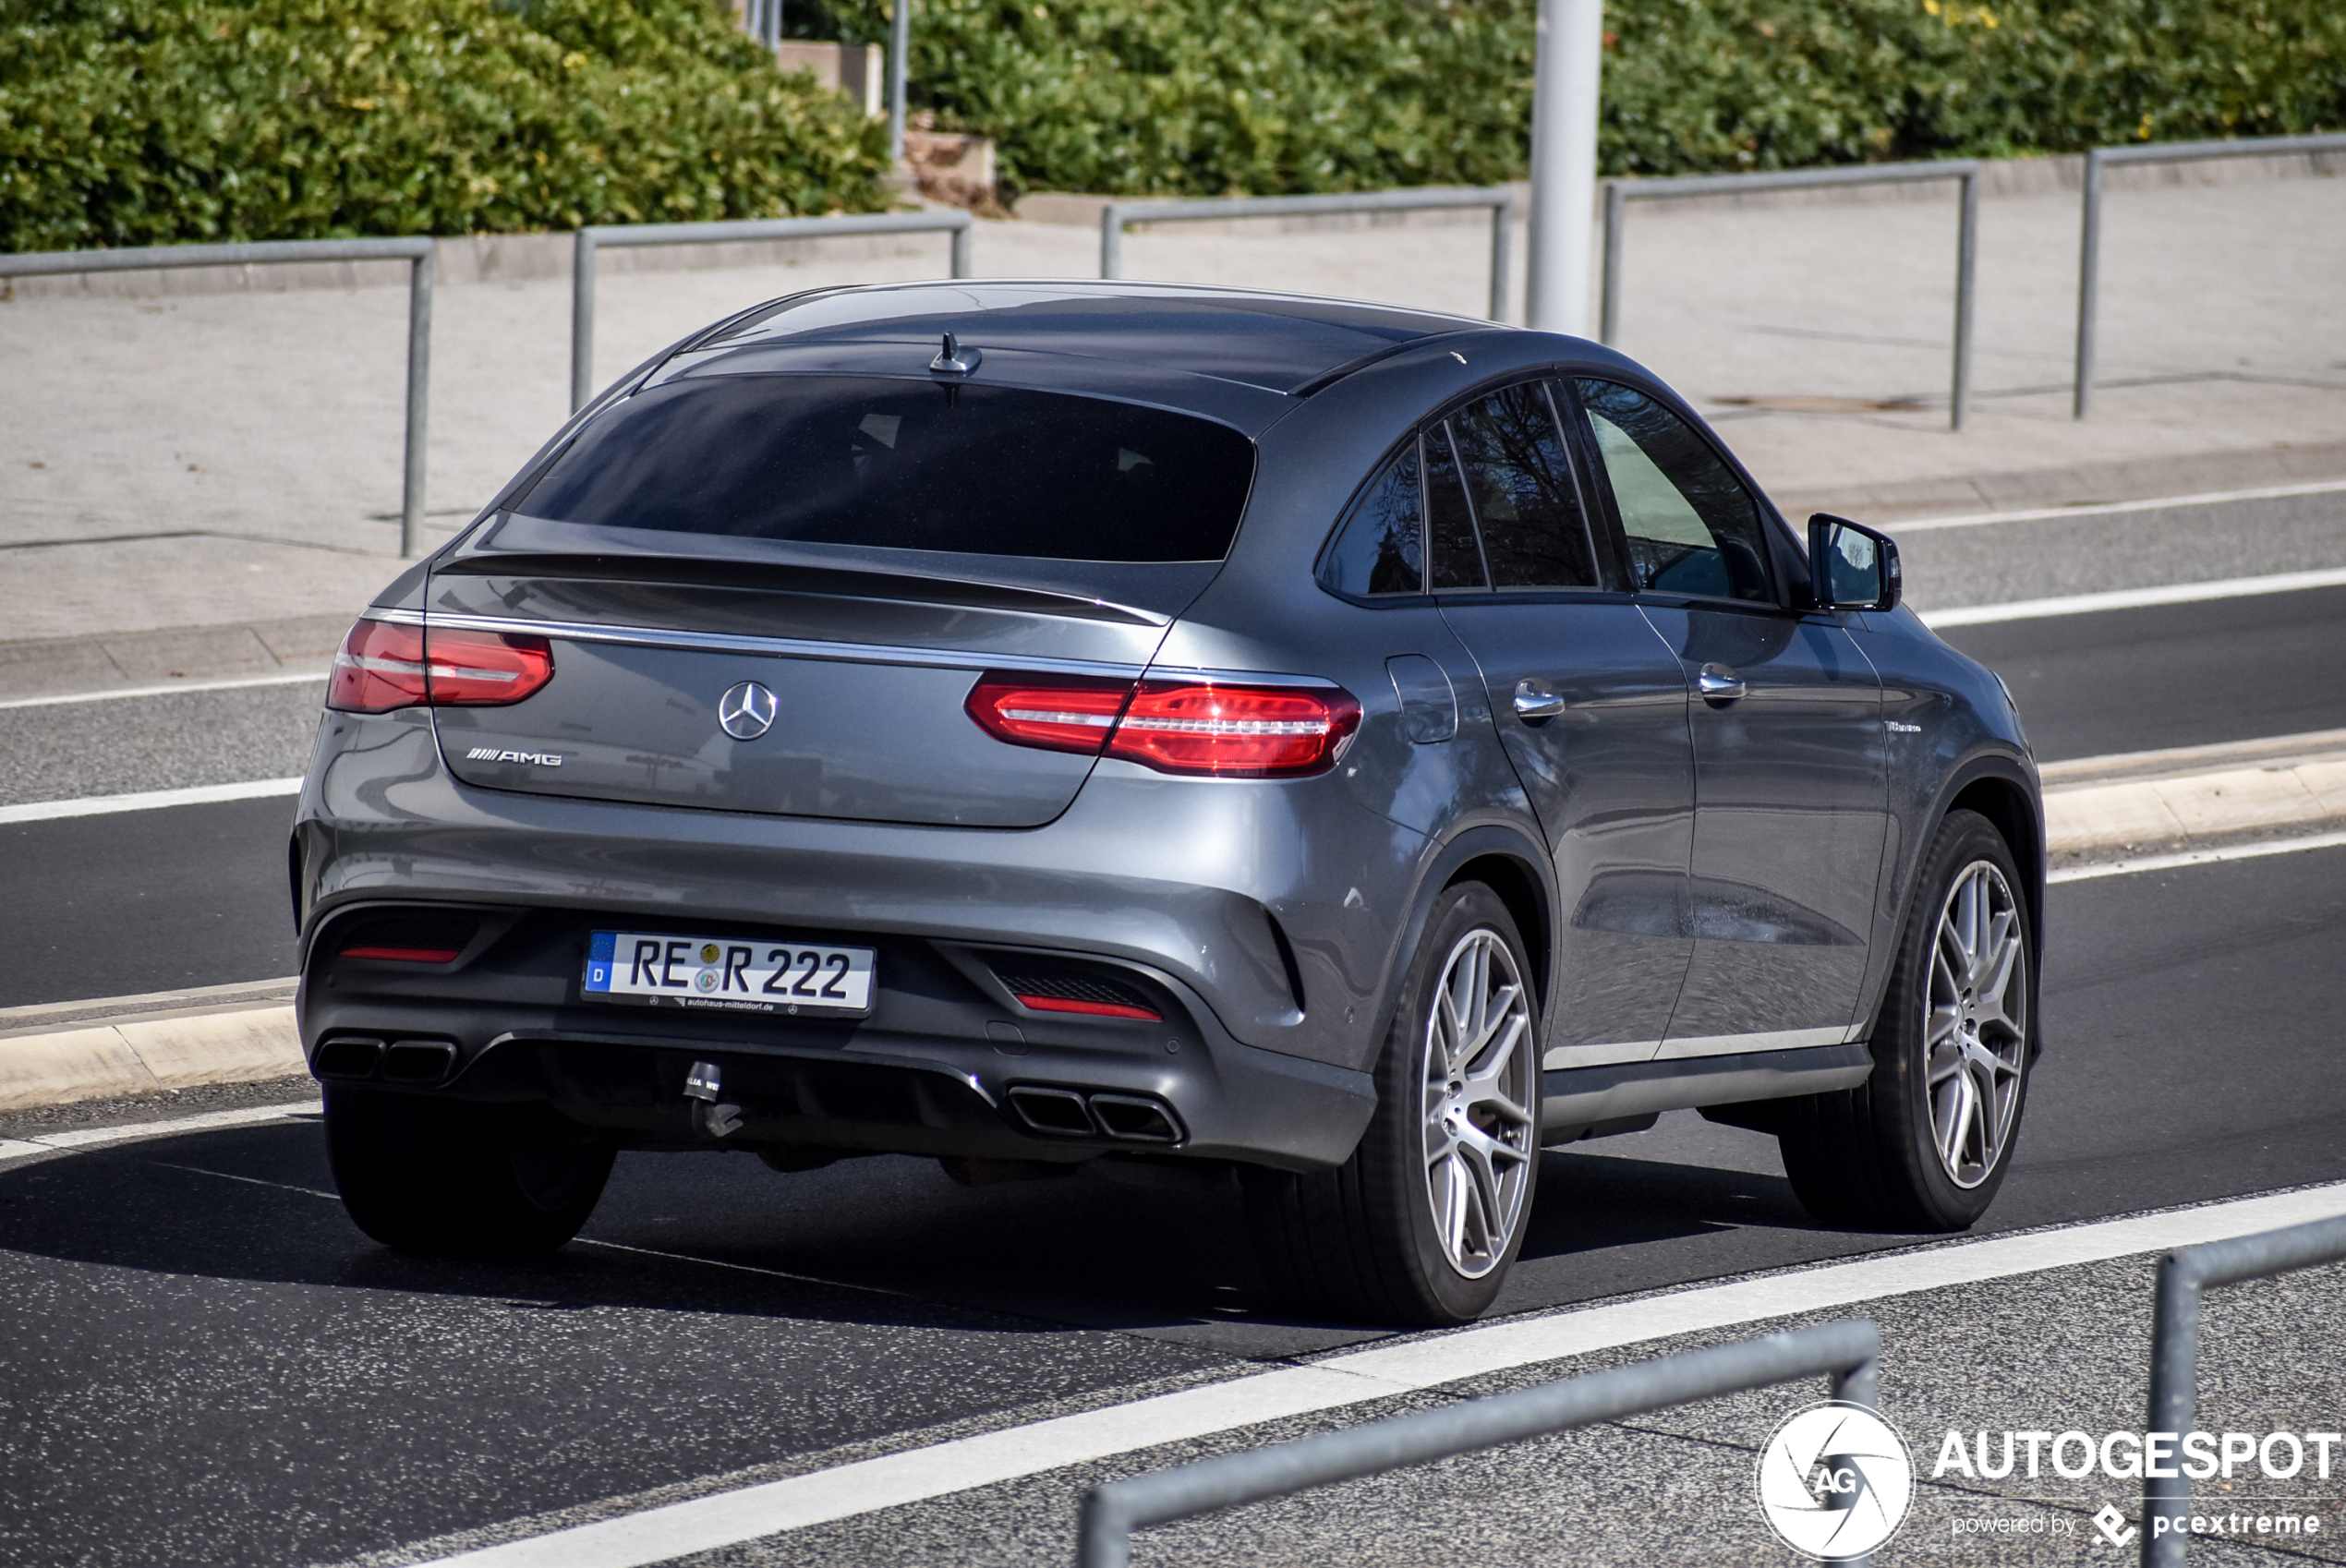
x=1834 y=1481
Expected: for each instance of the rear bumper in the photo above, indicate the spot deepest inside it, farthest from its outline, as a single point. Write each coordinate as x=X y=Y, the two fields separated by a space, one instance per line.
x=947 y=1064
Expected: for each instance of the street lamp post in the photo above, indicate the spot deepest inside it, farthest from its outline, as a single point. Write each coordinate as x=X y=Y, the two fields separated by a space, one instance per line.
x=900 y=33
x=1564 y=163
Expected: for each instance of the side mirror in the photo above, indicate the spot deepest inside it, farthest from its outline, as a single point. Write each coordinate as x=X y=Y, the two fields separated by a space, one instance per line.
x=1851 y=566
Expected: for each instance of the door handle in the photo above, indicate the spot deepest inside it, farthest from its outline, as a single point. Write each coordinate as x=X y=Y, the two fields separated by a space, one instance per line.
x=1719 y=685
x=1534 y=698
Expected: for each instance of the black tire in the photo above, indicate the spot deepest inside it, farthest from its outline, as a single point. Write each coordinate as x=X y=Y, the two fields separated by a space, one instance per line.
x=1869 y=1158
x=1363 y=1243
x=423 y=1175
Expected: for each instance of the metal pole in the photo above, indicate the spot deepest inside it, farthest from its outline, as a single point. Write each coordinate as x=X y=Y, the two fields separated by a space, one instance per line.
x=900 y=34
x=411 y=491
x=1616 y=210
x=2088 y=288
x=1499 y=279
x=962 y=242
x=1966 y=272
x=582 y=320
x=1566 y=72
x=1111 y=241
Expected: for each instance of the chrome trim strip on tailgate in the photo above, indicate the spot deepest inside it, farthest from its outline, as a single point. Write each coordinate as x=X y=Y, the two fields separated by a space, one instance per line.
x=744 y=643
x=837 y=653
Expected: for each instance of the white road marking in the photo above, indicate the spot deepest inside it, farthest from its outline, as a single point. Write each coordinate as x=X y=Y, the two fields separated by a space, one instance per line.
x=2200 y=857
x=235 y=685
x=150 y=800
x=2110 y=508
x=71 y=1138
x=656 y=1535
x=2135 y=598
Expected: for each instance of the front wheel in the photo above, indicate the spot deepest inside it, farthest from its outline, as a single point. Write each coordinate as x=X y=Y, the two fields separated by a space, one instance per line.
x=423 y=1175
x=1925 y=1142
x=1422 y=1225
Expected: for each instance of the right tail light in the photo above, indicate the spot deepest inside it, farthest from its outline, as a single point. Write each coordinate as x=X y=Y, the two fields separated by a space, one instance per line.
x=1187 y=726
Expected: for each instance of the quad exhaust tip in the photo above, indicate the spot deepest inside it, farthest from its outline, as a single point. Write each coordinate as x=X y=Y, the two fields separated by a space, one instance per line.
x=421 y=1062
x=1075 y=1113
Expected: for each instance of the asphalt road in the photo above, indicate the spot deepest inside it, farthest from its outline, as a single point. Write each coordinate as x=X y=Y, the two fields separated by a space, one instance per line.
x=206 y=1362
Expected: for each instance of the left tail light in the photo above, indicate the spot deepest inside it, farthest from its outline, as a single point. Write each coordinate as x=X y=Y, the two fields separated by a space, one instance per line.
x=1187 y=726
x=384 y=665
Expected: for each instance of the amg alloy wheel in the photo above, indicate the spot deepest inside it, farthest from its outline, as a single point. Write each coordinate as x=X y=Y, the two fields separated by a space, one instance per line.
x=1924 y=1143
x=1422 y=1225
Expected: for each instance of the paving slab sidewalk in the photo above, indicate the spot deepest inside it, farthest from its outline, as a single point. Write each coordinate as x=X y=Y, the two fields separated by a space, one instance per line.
x=204 y=487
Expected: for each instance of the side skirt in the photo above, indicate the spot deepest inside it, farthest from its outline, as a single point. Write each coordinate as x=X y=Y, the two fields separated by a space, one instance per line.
x=1576 y=1100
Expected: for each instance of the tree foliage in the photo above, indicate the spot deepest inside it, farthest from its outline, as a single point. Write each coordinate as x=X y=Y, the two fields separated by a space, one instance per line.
x=1208 y=96
x=182 y=120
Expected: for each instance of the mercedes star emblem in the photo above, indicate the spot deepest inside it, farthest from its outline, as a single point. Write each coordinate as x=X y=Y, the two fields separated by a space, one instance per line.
x=746 y=711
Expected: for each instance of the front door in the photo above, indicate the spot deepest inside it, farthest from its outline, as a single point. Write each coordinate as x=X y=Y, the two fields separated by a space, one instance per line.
x=1791 y=791
x=1591 y=705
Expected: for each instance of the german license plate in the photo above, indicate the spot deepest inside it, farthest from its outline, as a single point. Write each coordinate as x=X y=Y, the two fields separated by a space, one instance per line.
x=729 y=973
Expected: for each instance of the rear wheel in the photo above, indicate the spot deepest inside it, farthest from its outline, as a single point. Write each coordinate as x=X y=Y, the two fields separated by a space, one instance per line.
x=1923 y=1144
x=1422 y=1225
x=436 y=1176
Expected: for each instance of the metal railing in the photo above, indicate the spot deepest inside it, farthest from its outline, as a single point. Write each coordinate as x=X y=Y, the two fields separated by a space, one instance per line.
x=2174 y=1354
x=591 y=240
x=415 y=250
x=1618 y=194
x=1425 y=199
x=2089 y=228
x=1849 y=1351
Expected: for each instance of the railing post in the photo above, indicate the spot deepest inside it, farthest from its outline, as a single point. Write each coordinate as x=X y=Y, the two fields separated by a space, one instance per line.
x=2174 y=1395
x=1499 y=260
x=962 y=239
x=582 y=320
x=1616 y=210
x=1111 y=241
x=1966 y=276
x=411 y=489
x=2088 y=286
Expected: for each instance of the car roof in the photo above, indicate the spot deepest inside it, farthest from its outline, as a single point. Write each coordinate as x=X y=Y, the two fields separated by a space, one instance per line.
x=1279 y=343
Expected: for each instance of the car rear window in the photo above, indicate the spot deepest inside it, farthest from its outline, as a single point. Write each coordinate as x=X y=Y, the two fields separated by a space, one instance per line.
x=906 y=465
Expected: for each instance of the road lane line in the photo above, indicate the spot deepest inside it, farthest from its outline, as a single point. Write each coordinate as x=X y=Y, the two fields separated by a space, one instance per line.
x=149 y=800
x=1411 y=1365
x=2200 y=857
x=73 y=1139
x=235 y=685
x=2134 y=598
x=2110 y=508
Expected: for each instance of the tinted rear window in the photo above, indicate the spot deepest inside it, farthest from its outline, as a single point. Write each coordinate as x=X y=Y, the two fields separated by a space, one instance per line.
x=904 y=464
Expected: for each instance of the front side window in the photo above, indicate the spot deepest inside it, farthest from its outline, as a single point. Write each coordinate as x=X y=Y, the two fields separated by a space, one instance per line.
x=895 y=463
x=1692 y=526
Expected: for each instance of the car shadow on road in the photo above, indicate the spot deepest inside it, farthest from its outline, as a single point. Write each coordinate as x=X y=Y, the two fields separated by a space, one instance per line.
x=887 y=1240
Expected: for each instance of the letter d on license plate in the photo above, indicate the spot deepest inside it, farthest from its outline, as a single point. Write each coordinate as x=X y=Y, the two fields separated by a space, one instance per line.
x=733 y=973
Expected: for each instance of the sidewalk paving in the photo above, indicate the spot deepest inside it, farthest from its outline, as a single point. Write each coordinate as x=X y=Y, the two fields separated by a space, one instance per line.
x=225 y=467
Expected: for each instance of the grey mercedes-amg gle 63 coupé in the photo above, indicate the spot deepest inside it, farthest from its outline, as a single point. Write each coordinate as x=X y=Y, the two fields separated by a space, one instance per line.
x=1342 y=749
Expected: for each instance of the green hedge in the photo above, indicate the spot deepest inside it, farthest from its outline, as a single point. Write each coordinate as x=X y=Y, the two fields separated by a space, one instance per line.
x=1206 y=96
x=167 y=121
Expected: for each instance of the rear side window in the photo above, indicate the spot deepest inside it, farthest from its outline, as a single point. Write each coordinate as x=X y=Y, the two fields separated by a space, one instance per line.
x=1378 y=551
x=905 y=465
x=1690 y=525
x=1525 y=501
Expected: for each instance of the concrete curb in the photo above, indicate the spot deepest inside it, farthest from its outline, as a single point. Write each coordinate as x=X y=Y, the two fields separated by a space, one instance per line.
x=146 y=1051
x=54 y=666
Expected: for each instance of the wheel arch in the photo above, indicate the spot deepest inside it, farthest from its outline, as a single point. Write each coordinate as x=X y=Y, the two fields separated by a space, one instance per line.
x=1513 y=865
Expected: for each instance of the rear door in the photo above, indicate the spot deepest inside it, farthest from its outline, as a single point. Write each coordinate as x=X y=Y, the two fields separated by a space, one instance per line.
x=1590 y=703
x=1791 y=794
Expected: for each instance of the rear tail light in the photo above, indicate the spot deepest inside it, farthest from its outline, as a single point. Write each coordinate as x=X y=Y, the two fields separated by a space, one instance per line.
x=383 y=666
x=1195 y=727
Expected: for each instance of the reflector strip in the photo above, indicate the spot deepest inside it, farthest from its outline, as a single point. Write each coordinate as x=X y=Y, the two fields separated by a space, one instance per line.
x=1098 y=1010
x=405 y=955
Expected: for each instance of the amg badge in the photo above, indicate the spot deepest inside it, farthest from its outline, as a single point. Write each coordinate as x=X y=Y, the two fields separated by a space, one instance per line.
x=491 y=754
